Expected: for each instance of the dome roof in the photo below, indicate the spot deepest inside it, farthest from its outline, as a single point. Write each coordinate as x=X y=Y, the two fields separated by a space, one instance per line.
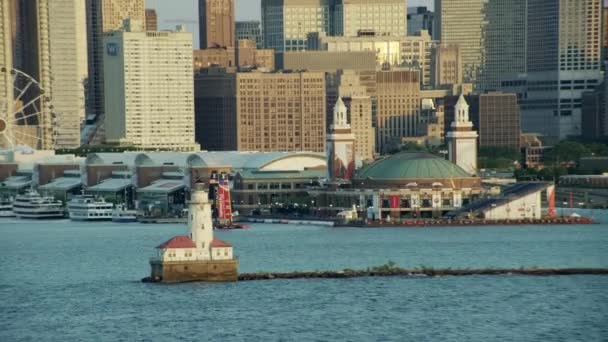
x=411 y=165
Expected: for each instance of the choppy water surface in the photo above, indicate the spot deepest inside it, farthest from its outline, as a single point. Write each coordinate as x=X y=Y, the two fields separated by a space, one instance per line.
x=70 y=281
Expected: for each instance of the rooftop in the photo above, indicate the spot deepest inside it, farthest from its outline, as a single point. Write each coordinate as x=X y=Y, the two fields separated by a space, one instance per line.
x=177 y=242
x=411 y=165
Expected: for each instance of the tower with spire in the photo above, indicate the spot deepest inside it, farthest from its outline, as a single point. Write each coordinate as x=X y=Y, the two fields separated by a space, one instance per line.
x=340 y=146
x=462 y=138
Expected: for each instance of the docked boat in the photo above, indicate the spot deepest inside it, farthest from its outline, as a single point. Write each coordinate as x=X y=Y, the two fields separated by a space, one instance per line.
x=89 y=208
x=122 y=214
x=6 y=207
x=32 y=205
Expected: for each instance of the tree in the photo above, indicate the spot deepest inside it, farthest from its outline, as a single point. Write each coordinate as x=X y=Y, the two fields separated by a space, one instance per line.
x=566 y=151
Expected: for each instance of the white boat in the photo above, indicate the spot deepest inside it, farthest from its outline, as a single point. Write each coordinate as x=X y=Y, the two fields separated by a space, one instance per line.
x=122 y=214
x=89 y=208
x=32 y=205
x=6 y=207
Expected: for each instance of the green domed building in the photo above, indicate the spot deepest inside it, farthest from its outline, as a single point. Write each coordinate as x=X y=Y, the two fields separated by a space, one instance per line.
x=402 y=186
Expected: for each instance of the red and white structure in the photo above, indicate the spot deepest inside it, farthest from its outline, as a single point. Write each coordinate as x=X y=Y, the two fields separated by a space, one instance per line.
x=200 y=245
x=462 y=139
x=340 y=146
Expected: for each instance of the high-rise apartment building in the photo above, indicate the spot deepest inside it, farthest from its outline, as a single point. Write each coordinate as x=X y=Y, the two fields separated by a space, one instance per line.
x=257 y=111
x=563 y=61
x=216 y=23
x=151 y=20
x=149 y=88
x=418 y=19
x=68 y=68
x=398 y=93
x=250 y=30
x=490 y=34
x=413 y=52
x=105 y=16
x=384 y=17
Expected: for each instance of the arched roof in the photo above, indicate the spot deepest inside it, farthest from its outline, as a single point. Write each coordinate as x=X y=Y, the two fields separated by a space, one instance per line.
x=181 y=159
x=411 y=165
x=126 y=158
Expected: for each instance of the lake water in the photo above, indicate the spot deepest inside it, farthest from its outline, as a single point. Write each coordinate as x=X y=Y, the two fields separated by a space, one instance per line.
x=75 y=281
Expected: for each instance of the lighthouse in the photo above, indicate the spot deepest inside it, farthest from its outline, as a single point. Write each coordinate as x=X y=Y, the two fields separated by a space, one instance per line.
x=462 y=139
x=340 y=146
x=198 y=256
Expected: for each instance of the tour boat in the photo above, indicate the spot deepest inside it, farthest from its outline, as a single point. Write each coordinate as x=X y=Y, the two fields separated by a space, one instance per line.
x=6 y=207
x=89 y=208
x=122 y=214
x=33 y=205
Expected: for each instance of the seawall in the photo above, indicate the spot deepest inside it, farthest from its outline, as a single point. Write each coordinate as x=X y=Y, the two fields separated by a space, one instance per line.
x=425 y=272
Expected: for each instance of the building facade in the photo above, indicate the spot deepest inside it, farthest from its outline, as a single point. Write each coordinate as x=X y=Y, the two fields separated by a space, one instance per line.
x=105 y=16
x=446 y=65
x=260 y=111
x=496 y=118
x=384 y=17
x=398 y=109
x=491 y=36
x=151 y=20
x=251 y=30
x=149 y=89
x=216 y=23
x=563 y=61
x=418 y=19
x=6 y=62
x=285 y=23
x=413 y=52
x=68 y=67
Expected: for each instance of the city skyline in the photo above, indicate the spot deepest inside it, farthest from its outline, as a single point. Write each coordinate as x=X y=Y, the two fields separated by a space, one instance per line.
x=185 y=12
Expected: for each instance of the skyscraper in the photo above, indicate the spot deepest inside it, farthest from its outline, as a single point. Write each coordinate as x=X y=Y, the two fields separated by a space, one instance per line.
x=419 y=18
x=250 y=30
x=285 y=23
x=398 y=110
x=68 y=68
x=258 y=111
x=216 y=23
x=151 y=20
x=491 y=36
x=51 y=47
x=563 y=61
x=105 y=16
x=6 y=60
x=384 y=17
x=149 y=88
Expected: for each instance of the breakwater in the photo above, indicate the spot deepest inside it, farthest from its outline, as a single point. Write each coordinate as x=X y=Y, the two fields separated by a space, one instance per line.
x=393 y=271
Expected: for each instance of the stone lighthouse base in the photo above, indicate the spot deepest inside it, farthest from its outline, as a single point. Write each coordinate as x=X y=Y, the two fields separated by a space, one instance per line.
x=187 y=271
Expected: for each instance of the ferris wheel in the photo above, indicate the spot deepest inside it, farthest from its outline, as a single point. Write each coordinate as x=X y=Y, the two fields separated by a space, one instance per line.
x=26 y=113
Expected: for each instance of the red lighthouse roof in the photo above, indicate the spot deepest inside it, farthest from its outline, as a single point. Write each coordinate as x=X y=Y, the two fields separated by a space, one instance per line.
x=178 y=242
x=217 y=243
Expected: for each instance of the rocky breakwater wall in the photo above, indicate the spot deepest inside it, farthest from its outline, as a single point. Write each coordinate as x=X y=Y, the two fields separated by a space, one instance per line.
x=391 y=270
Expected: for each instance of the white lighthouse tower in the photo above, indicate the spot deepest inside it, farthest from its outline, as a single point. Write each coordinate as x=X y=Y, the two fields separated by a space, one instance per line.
x=462 y=139
x=340 y=146
x=200 y=223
